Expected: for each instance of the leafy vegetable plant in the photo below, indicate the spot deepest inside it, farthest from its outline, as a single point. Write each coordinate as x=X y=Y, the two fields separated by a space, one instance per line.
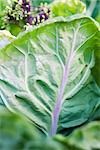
x=45 y=74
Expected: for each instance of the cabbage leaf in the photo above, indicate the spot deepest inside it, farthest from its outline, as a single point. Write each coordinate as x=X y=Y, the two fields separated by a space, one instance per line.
x=45 y=73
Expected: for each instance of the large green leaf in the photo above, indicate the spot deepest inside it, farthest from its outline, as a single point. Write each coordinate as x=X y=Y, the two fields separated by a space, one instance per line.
x=45 y=67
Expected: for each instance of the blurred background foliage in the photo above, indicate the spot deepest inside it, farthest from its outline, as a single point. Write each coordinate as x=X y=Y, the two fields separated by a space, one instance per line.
x=93 y=8
x=36 y=3
x=17 y=133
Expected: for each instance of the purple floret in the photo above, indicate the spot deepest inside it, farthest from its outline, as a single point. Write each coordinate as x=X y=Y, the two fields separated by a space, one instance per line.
x=29 y=19
x=26 y=6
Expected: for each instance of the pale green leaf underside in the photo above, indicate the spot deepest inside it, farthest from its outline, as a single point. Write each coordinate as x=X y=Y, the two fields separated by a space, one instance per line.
x=43 y=68
x=5 y=38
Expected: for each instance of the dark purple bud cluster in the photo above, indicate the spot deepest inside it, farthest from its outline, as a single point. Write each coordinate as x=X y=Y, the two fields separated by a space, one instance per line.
x=22 y=10
x=26 y=6
x=43 y=13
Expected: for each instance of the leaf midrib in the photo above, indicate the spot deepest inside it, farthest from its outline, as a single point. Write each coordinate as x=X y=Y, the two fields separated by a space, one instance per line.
x=64 y=81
